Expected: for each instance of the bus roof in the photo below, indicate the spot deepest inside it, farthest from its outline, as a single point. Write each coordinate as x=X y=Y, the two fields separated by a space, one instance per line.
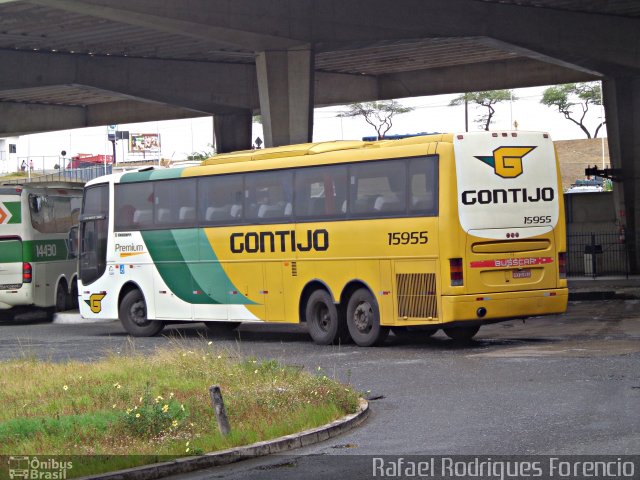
x=321 y=147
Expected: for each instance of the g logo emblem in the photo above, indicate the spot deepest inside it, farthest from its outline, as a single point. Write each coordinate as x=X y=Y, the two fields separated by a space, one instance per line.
x=95 y=302
x=507 y=161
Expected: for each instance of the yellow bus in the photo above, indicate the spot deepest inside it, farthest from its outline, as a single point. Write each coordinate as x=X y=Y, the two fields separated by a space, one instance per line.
x=352 y=238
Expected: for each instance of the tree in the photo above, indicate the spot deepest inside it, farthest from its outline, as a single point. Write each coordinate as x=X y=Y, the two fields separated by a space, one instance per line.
x=484 y=99
x=377 y=114
x=566 y=97
x=202 y=155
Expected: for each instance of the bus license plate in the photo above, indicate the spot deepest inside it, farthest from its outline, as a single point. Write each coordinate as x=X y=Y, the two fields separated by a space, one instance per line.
x=526 y=273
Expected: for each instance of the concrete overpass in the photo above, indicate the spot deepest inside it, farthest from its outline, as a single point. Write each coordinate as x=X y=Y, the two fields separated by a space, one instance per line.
x=77 y=63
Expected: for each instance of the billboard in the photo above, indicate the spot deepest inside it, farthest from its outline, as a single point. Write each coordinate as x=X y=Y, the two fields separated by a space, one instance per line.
x=144 y=142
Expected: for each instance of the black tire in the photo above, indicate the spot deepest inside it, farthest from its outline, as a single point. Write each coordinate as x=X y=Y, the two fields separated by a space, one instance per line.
x=325 y=326
x=133 y=315
x=221 y=328
x=61 y=297
x=72 y=302
x=363 y=319
x=414 y=333
x=461 y=334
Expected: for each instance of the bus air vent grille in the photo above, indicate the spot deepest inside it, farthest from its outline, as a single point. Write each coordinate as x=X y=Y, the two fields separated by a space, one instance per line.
x=417 y=295
x=294 y=269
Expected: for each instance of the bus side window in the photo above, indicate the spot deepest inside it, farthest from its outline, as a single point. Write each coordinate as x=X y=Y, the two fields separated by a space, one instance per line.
x=175 y=202
x=423 y=181
x=125 y=216
x=269 y=195
x=378 y=188
x=220 y=199
x=320 y=192
x=62 y=214
x=133 y=204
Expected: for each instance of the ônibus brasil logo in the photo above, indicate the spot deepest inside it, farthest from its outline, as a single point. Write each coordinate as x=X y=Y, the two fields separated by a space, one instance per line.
x=506 y=161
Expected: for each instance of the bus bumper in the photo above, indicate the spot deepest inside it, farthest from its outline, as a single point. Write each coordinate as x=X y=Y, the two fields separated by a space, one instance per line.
x=504 y=306
x=13 y=298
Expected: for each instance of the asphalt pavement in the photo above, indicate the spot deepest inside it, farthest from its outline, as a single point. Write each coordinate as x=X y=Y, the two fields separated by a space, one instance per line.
x=557 y=385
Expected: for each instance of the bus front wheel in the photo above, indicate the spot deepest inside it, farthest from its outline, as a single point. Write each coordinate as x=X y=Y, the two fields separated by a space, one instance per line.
x=461 y=334
x=325 y=325
x=133 y=315
x=363 y=319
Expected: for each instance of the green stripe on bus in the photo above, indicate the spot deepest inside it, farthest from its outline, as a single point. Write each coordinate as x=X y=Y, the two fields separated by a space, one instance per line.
x=176 y=254
x=209 y=273
x=15 y=209
x=44 y=250
x=164 y=174
x=10 y=251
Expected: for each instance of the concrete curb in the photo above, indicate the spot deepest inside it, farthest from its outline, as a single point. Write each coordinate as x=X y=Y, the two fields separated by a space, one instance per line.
x=232 y=455
x=74 y=318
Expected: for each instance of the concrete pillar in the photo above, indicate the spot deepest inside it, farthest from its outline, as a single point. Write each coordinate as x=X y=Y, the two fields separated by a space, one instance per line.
x=285 y=85
x=622 y=105
x=232 y=131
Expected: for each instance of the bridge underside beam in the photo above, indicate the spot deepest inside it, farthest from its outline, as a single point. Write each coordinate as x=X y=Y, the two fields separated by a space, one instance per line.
x=232 y=131
x=25 y=118
x=285 y=83
x=478 y=76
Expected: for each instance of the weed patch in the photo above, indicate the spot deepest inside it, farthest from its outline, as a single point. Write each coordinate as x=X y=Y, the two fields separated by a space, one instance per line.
x=158 y=406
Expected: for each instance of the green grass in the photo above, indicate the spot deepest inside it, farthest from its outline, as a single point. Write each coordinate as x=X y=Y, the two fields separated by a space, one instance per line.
x=14 y=175
x=157 y=406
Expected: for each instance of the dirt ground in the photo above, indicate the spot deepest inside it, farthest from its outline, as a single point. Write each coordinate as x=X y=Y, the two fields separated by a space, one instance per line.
x=576 y=155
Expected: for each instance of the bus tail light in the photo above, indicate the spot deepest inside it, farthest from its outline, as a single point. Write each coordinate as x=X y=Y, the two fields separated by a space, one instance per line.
x=455 y=269
x=27 y=273
x=562 y=264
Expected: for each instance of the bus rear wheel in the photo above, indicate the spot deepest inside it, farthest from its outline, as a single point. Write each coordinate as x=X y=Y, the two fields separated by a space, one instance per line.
x=133 y=315
x=461 y=334
x=61 y=297
x=363 y=319
x=325 y=326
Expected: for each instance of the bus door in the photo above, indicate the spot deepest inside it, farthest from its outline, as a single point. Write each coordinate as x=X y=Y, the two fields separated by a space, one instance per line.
x=274 y=298
x=94 y=233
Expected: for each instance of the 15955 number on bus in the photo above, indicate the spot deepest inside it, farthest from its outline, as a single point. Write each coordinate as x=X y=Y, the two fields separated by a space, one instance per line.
x=537 y=220
x=408 y=238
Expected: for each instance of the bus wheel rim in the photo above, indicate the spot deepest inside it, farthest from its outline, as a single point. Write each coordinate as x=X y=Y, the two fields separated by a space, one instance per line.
x=363 y=317
x=323 y=318
x=138 y=313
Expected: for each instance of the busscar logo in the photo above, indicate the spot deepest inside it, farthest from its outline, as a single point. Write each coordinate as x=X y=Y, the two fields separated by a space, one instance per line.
x=506 y=161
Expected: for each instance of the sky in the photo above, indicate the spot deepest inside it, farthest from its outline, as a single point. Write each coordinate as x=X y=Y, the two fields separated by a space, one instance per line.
x=179 y=138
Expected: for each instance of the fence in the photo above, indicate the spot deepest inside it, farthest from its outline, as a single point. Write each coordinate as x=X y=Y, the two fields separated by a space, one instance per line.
x=79 y=175
x=593 y=254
